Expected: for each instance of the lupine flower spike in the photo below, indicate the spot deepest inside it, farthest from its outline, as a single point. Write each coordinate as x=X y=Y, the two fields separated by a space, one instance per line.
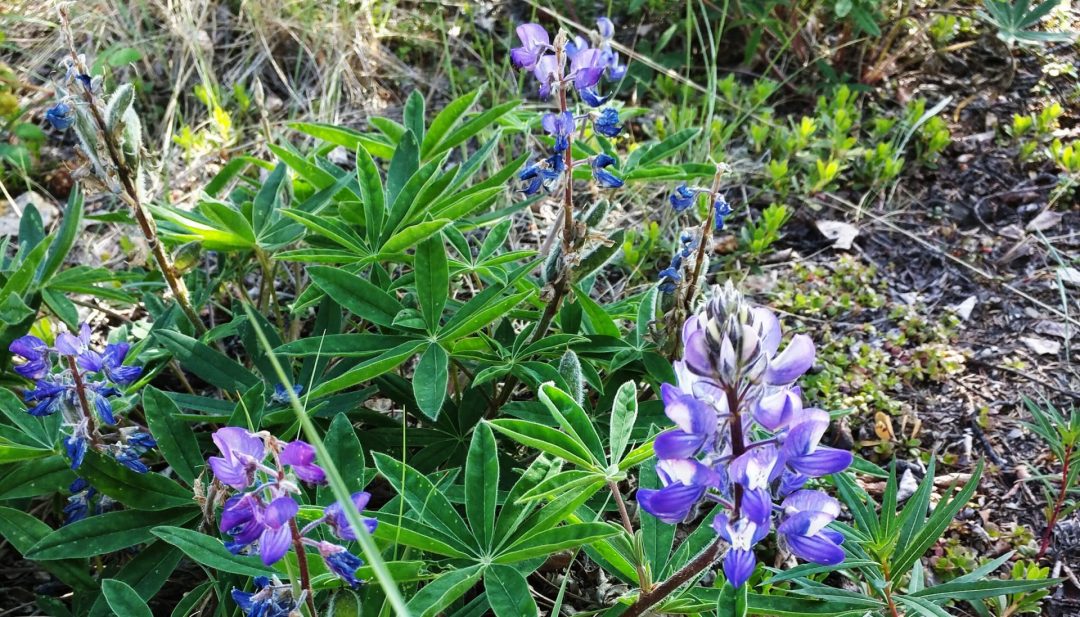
x=261 y=516
x=764 y=449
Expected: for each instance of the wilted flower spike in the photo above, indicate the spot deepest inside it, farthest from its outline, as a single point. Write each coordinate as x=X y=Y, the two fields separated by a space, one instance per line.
x=765 y=449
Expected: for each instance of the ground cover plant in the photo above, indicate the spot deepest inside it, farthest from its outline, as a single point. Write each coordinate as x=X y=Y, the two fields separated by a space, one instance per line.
x=631 y=308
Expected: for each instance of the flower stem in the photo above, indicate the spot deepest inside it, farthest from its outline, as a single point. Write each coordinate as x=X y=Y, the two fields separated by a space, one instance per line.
x=648 y=599
x=1052 y=521
x=146 y=225
x=888 y=590
x=643 y=575
x=301 y=560
x=84 y=403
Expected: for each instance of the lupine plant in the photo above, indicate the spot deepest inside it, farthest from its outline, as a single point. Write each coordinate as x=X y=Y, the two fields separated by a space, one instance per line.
x=343 y=384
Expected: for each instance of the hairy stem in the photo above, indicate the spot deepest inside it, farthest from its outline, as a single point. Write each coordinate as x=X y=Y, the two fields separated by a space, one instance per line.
x=643 y=575
x=1048 y=533
x=301 y=560
x=893 y=612
x=648 y=599
x=84 y=403
x=127 y=181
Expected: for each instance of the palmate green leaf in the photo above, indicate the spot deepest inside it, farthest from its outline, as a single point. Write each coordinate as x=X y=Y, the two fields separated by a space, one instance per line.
x=430 y=380
x=146 y=573
x=106 y=533
x=356 y=294
x=23 y=530
x=977 y=590
x=482 y=484
x=35 y=428
x=405 y=163
x=600 y=322
x=37 y=477
x=123 y=600
x=514 y=510
x=508 y=592
x=624 y=411
x=314 y=174
x=413 y=114
x=13 y=453
x=345 y=137
x=174 y=437
x=922 y=607
x=560 y=482
x=574 y=421
x=397 y=531
x=432 y=278
x=363 y=345
x=141 y=491
x=474 y=125
x=789 y=606
x=441 y=592
x=206 y=363
x=446 y=120
x=554 y=540
x=464 y=204
x=369 y=369
x=929 y=533
x=371 y=191
x=331 y=229
x=413 y=235
x=426 y=500
x=913 y=515
x=809 y=569
x=545 y=439
x=211 y=552
x=673 y=143
x=467 y=320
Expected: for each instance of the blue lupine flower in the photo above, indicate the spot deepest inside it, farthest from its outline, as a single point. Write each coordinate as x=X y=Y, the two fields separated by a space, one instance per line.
x=605 y=178
x=241 y=454
x=605 y=28
x=75 y=446
x=731 y=352
x=615 y=70
x=300 y=456
x=268 y=599
x=86 y=81
x=682 y=198
x=586 y=68
x=69 y=344
x=78 y=506
x=341 y=562
x=669 y=280
x=534 y=43
x=142 y=440
x=561 y=127
x=591 y=97
x=723 y=208
x=35 y=354
x=542 y=175
x=335 y=517
x=607 y=123
x=111 y=363
x=48 y=395
x=99 y=393
x=129 y=457
x=61 y=116
x=576 y=44
x=281 y=395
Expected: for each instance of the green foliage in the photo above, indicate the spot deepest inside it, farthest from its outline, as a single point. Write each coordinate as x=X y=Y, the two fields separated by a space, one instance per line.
x=1014 y=21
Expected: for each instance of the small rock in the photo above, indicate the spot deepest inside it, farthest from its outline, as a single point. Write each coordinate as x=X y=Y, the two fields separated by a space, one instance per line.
x=907 y=487
x=842 y=234
x=963 y=310
x=1069 y=276
x=1042 y=346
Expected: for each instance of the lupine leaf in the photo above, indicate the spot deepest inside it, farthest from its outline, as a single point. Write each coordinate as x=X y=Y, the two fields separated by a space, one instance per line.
x=441 y=592
x=211 y=552
x=508 y=592
x=427 y=501
x=174 y=437
x=356 y=294
x=123 y=600
x=106 y=533
x=482 y=484
x=141 y=491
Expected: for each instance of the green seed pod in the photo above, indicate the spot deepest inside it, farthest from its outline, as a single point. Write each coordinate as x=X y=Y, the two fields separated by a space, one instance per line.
x=570 y=370
x=119 y=104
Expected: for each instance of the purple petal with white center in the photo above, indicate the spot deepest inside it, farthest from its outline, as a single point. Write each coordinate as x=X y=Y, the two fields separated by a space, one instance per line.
x=775 y=411
x=804 y=435
x=685 y=471
x=534 y=41
x=757 y=506
x=545 y=70
x=280 y=512
x=605 y=28
x=232 y=440
x=587 y=68
x=67 y=344
x=811 y=501
x=739 y=564
x=687 y=412
x=229 y=473
x=274 y=543
x=790 y=364
x=301 y=456
x=821 y=462
x=755 y=468
x=671 y=504
x=678 y=444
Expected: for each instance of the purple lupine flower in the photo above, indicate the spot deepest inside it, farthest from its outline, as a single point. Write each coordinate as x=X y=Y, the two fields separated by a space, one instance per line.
x=341 y=562
x=281 y=395
x=586 y=68
x=35 y=354
x=61 y=116
x=607 y=123
x=78 y=504
x=75 y=446
x=547 y=70
x=804 y=530
x=610 y=58
x=99 y=393
x=68 y=344
x=129 y=457
x=48 y=396
x=742 y=535
x=276 y=536
x=682 y=198
x=723 y=209
x=111 y=363
x=339 y=524
x=576 y=44
x=731 y=357
x=534 y=43
x=561 y=127
x=605 y=178
x=542 y=175
x=685 y=482
x=241 y=452
x=301 y=457
x=269 y=599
